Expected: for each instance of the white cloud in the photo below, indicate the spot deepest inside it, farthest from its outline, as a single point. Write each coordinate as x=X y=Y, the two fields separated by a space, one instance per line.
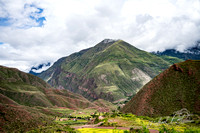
x=72 y=25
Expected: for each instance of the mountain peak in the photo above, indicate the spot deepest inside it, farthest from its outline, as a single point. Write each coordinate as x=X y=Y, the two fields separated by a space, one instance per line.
x=109 y=40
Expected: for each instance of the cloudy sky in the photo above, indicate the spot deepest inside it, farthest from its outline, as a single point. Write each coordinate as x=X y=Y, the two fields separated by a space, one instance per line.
x=40 y=31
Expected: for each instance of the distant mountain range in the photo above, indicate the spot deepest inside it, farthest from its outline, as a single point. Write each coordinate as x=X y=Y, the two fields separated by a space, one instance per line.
x=192 y=53
x=176 y=88
x=112 y=70
x=40 y=68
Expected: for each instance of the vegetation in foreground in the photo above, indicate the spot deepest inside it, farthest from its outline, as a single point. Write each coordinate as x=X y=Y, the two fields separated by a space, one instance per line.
x=176 y=123
x=53 y=128
x=96 y=130
x=66 y=120
x=131 y=123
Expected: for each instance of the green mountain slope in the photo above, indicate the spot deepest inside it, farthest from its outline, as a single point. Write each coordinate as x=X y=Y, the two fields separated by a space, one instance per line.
x=18 y=118
x=176 y=88
x=112 y=70
x=27 y=101
x=105 y=106
x=19 y=88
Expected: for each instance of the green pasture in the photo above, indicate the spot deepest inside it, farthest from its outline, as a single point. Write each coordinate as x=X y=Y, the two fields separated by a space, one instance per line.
x=96 y=130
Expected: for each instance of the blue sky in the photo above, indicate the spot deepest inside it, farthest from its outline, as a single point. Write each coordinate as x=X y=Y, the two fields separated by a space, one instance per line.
x=35 y=32
x=4 y=22
x=34 y=15
x=39 y=20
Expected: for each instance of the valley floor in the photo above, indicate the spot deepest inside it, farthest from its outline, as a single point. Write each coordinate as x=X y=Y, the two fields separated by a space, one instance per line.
x=56 y=120
x=90 y=121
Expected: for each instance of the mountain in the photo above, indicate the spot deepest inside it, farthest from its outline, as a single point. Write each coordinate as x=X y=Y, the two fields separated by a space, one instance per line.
x=38 y=69
x=27 y=102
x=112 y=70
x=176 y=88
x=19 y=118
x=19 y=88
x=192 y=53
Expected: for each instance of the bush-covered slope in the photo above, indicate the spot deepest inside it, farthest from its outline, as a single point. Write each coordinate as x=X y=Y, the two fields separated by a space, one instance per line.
x=176 y=88
x=17 y=87
x=111 y=70
x=27 y=101
x=105 y=105
x=17 y=118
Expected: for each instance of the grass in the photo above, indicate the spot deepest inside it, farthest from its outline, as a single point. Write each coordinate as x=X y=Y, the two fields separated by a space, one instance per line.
x=72 y=122
x=105 y=104
x=171 y=59
x=96 y=130
x=17 y=118
x=83 y=112
x=108 y=67
x=159 y=123
x=53 y=128
x=63 y=111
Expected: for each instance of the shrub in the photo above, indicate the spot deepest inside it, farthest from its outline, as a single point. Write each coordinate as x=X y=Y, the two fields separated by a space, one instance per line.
x=192 y=131
x=164 y=129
